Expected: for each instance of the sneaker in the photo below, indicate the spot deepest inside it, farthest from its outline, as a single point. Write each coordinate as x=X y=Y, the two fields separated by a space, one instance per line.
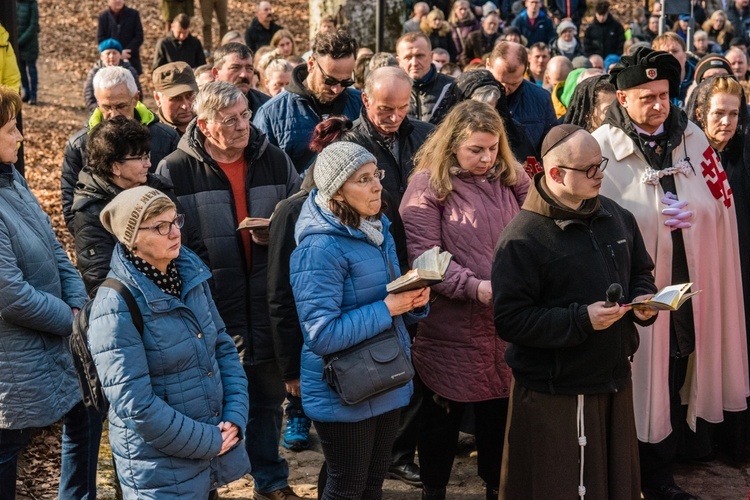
x=297 y=433
x=283 y=494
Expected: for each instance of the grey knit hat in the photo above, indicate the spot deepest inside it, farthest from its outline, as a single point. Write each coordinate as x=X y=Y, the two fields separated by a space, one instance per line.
x=123 y=215
x=335 y=164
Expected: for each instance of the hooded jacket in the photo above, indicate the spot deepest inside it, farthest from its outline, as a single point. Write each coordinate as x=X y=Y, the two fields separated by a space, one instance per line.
x=289 y=118
x=206 y=197
x=40 y=287
x=10 y=75
x=164 y=140
x=169 y=387
x=456 y=351
x=338 y=277
x=550 y=263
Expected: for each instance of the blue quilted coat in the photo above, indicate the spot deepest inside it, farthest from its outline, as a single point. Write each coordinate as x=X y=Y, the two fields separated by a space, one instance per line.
x=170 y=388
x=38 y=288
x=338 y=277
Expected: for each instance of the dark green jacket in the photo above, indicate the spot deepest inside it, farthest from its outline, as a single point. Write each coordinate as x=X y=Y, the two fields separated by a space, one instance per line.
x=27 y=13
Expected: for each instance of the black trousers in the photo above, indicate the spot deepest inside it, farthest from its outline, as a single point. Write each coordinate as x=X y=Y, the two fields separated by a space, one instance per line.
x=438 y=438
x=357 y=456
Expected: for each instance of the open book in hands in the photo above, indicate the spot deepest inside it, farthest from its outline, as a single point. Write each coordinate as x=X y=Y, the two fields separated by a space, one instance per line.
x=428 y=269
x=669 y=298
x=254 y=223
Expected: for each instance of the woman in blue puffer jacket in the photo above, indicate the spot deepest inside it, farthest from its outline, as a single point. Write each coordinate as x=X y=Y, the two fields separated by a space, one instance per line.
x=40 y=292
x=178 y=393
x=344 y=259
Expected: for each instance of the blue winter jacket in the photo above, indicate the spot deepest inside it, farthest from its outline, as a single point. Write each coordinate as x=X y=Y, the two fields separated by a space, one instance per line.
x=38 y=288
x=289 y=118
x=543 y=30
x=338 y=277
x=169 y=388
x=531 y=105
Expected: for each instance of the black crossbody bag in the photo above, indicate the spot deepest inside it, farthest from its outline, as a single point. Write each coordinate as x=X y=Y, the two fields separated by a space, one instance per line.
x=370 y=368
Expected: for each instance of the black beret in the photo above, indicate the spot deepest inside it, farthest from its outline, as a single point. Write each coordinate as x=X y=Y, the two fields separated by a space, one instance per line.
x=644 y=66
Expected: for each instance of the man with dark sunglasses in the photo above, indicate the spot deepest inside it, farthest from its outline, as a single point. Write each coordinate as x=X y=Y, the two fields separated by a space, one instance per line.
x=319 y=89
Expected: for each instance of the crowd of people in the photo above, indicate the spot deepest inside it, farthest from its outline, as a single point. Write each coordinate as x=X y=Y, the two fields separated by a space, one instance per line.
x=551 y=162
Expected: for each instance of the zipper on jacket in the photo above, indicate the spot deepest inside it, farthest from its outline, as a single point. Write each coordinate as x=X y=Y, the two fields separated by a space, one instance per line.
x=614 y=260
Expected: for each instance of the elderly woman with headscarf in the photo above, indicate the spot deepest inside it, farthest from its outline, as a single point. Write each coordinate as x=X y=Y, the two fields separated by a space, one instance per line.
x=177 y=391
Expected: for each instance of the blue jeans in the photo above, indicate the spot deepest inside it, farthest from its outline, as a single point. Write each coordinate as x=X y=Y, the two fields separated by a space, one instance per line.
x=263 y=433
x=82 y=432
x=29 y=81
x=82 y=429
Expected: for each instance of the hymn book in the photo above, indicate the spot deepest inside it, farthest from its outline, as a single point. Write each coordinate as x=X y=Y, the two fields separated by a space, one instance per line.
x=669 y=298
x=428 y=269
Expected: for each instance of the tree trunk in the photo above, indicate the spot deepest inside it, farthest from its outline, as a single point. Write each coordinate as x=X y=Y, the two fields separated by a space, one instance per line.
x=358 y=17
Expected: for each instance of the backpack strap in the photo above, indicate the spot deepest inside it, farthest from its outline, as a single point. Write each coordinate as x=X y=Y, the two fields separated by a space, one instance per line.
x=135 y=312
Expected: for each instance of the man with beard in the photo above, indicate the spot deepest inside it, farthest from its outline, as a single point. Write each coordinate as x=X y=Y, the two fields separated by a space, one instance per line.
x=174 y=92
x=262 y=27
x=318 y=89
x=223 y=171
x=233 y=63
x=664 y=171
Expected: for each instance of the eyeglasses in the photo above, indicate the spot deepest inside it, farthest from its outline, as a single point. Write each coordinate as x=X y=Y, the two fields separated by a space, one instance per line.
x=591 y=170
x=164 y=228
x=117 y=107
x=232 y=121
x=331 y=82
x=369 y=179
x=145 y=157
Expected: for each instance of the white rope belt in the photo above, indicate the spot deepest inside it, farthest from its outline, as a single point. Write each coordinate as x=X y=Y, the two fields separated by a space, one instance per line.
x=581 y=442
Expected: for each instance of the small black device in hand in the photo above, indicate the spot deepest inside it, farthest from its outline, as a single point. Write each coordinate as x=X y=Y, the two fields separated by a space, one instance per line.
x=614 y=293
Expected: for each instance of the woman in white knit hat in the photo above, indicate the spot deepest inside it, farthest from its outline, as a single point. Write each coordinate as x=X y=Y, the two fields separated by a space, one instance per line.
x=339 y=271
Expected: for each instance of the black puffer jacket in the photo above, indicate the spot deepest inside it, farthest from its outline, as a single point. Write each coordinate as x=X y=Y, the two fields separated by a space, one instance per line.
x=411 y=134
x=550 y=263
x=206 y=197
x=164 y=140
x=94 y=244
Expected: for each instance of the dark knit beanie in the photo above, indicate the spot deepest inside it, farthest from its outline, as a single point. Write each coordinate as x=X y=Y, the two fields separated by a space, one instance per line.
x=711 y=61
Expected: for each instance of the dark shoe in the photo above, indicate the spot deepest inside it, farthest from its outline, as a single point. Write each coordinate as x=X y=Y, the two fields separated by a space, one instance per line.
x=282 y=494
x=492 y=493
x=25 y=97
x=32 y=101
x=297 y=433
x=667 y=492
x=433 y=494
x=408 y=473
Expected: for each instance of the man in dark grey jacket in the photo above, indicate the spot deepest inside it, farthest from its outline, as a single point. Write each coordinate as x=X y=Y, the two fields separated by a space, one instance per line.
x=116 y=94
x=223 y=171
x=414 y=53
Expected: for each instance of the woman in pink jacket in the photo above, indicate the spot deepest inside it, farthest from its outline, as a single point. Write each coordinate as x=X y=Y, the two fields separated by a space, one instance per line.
x=466 y=188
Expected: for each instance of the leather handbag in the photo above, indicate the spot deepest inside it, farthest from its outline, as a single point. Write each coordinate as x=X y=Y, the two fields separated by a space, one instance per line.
x=365 y=370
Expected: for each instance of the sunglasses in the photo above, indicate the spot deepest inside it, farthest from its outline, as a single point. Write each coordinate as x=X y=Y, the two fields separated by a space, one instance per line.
x=330 y=81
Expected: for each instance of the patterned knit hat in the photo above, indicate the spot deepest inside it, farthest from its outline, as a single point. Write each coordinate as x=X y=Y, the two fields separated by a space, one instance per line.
x=123 y=215
x=335 y=164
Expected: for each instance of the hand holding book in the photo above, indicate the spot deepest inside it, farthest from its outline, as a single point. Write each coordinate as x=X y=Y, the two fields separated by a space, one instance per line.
x=428 y=269
x=669 y=298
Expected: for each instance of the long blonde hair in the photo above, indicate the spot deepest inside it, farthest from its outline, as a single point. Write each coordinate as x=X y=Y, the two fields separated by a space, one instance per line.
x=438 y=154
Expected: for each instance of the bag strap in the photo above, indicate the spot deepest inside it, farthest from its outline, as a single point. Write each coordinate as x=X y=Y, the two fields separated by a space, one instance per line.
x=135 y=312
